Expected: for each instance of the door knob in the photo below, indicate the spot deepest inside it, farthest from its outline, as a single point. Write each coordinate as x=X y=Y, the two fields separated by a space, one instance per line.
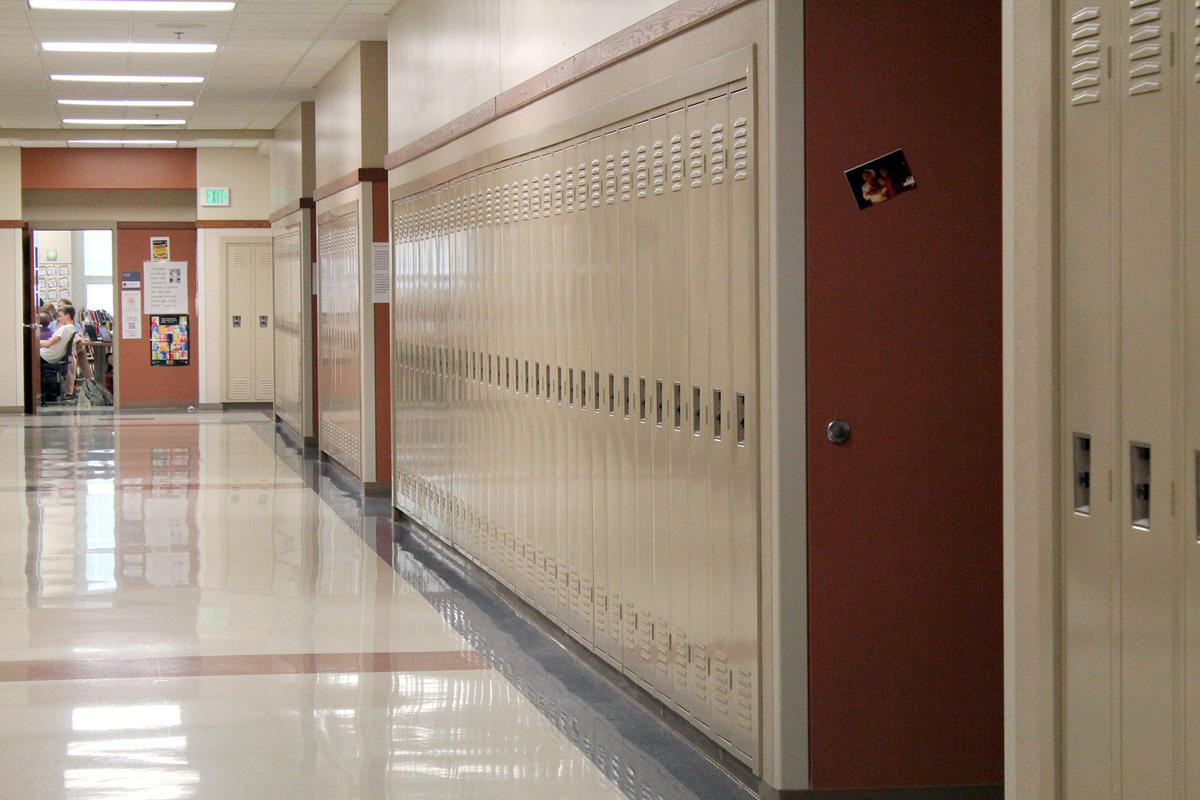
x=838 y=431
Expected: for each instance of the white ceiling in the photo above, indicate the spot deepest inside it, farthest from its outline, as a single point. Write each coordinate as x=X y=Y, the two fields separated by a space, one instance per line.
x=271 y=55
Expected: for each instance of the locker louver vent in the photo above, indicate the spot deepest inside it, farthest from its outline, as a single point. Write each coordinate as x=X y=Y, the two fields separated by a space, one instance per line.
x=1196 y=42
x=1145 y=46
x=717 y=153
x=265 y=390
x=1085 y=56
x=239 y=389
x=741 y=149
x=658 y=167
x=676 y=163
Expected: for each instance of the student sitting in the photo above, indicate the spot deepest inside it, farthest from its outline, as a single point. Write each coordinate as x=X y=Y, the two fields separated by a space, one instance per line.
x=59 y=349
x=43 y=321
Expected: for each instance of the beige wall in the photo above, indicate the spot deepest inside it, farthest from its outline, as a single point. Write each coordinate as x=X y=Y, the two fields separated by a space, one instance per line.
x=10 y=183
x=245 y=172
x=352 y=113
x=293 y=169
x=445 y=57
x=103 y=208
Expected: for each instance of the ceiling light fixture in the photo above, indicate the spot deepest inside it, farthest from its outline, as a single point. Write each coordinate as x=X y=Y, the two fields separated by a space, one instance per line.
x=78 y=121
x=131 y=5
x=131 y=103
x=127 y=47
x=122 y=141
x=129 y=78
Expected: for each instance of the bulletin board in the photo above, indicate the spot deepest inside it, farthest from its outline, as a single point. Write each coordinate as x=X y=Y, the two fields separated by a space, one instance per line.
x=169 y=340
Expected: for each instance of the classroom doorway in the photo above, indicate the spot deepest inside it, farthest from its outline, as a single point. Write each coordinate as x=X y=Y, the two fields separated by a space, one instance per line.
x=72 y=267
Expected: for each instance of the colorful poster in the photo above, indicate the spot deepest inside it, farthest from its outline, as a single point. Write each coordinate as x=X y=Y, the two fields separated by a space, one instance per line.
x=160 y=248
x=168 y=340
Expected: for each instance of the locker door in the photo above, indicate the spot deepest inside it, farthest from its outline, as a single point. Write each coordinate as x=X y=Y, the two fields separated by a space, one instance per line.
x=634 y=165
x=1090 y=245
x=1146 y=449
x=1189 y=535
x=743 y=404
x=696 y=404
x=716 y=431
x=682 y=535
x=264 y=325
x=651 y=188
x=239 y=322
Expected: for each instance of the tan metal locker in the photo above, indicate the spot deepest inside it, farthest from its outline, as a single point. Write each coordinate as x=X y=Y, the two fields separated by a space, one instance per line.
x=679 y=315
x=338 y=338
x=290 y=296
x=264 y=325
x=742 y=427
x=1149 y=169
x=1190 y=471
x=714 y=432
x=558 y=312
x=650 y=187
x=634 y=152
x=583 y=351
x=697 y=387
x=239 y=322
x=1089 y=324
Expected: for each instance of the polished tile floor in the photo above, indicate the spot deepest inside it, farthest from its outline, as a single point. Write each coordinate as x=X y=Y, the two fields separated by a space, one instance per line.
x=190 y=606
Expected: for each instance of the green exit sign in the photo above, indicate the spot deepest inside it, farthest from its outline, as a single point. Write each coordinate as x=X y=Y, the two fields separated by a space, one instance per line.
x=214 y=196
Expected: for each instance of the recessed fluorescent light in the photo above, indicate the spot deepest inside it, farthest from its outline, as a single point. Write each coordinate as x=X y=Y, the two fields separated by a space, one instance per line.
x=129 y=78
x=131 y=103
x=122 y=141
x=127 y=47
x=124 y=121
x=131 y=5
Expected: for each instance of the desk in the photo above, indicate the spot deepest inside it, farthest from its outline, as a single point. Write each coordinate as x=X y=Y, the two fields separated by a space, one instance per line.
x=101 y=354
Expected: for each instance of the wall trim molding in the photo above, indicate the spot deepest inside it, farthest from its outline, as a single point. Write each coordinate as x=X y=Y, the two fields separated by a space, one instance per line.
x=233 y=223
x=291 y=208
x=12 y=223
x=642 y=35
x=360 y=175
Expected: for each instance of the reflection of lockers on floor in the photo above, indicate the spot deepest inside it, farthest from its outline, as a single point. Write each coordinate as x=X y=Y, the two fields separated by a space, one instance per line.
x=1130 y=440
x=574 y=351
x=249 y=323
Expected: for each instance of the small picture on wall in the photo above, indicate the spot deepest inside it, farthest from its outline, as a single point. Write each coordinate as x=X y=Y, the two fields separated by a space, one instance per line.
x=880 y=179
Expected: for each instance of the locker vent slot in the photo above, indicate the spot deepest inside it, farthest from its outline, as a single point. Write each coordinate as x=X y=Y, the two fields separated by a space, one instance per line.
x=1083 y=474
x=526 y=377
x=626 y=379
x=507 y=374
x=559 y=369
x=596 y=389
x=1084 y=45
x=583 y=392
x=658 y=403
x=642 y=399
x=1145 y=43
x=570 y=387
x=1139 y=475
x=678 y=405
x=612 y=394
x=696 y=410
x=537 y=379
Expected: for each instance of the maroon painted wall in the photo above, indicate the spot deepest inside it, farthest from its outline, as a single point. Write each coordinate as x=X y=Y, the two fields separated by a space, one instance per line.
x=904 y=342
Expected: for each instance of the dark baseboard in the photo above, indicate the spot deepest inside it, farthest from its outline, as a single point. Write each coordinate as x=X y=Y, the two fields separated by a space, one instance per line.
x=985 y=792
x=247 y=407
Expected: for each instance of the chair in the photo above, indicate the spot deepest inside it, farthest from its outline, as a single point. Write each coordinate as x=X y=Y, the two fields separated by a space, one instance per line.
x=54 y=374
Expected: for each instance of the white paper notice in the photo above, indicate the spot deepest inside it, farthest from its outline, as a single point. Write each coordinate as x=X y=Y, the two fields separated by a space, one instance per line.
x=131 y=314
x=166 y=287
x=381 y=273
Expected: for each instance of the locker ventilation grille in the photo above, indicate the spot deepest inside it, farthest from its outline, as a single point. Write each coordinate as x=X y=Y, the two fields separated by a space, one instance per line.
x=1145 y=46
x=1085 y=56
x=1196 y=42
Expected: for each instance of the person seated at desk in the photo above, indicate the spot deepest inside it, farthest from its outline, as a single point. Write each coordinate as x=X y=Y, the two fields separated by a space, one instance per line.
x=59 y=348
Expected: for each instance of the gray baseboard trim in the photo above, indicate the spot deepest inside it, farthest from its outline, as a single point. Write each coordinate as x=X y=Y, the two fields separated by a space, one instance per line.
x=211 y=406
x=984 y=792
x=377 y=489
x=12 y=409
x=245 y=407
